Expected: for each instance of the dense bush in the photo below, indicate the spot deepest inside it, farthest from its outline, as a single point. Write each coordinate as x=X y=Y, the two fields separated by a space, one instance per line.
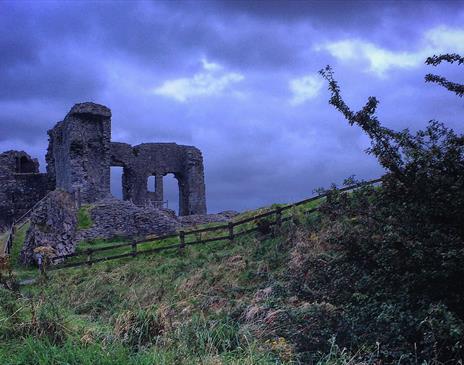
x=392 y=257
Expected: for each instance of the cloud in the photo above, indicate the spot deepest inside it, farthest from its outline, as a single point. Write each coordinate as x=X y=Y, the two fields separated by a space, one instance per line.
x=305 y=88
x=211 y=81
x=446 y=39
x=381 y=60
x=210 y=66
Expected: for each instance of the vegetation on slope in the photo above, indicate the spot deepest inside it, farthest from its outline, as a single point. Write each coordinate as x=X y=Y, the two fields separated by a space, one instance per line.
x=170 y=308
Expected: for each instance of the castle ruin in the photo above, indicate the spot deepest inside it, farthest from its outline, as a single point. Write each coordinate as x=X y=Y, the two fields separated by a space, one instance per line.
x=79 y=157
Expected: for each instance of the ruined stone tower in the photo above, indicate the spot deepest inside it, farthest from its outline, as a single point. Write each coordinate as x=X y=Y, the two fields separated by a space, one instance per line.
x=78 y=156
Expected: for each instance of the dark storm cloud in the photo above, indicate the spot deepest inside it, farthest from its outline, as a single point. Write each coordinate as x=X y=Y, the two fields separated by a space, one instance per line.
x=39 y=62
x=341 y=14
x=259 y=146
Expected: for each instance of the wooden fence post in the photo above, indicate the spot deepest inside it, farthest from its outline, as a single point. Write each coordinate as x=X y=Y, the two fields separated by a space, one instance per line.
x=9 y=244
x=182 y=240
x=89 y=256
x=134 y=249
x=231 y=231
x=279 y=217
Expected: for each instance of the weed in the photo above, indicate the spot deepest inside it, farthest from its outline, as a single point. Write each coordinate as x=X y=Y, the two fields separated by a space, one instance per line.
x=84 y=220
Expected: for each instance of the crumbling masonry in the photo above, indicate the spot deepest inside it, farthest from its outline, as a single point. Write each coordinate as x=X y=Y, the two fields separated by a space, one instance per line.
x=79 y=157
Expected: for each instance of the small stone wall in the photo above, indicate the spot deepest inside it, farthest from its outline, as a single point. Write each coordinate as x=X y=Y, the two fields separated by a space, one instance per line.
x=54 y=223
x=197 y=219
x=113 y=217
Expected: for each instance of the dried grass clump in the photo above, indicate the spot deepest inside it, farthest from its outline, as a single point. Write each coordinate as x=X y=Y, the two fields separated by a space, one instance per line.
x=5 y=265
x=138 y=328
x=309 y=247
x=45 y=251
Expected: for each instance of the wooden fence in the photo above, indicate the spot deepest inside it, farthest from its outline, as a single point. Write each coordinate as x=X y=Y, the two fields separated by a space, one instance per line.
x=228 y=231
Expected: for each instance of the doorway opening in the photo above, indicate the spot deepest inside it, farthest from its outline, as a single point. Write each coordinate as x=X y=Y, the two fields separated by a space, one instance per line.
x=171 y=192
x=116 y=181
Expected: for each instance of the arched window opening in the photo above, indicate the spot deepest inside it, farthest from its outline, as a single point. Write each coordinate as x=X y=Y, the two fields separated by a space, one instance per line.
x=151 y=184
x=171 y=192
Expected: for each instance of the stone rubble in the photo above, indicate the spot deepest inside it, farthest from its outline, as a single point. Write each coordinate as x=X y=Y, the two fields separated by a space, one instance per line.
x=53 y=224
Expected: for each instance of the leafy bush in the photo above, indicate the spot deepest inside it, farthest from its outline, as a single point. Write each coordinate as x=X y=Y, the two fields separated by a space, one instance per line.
x=391 y=258
x=264 y=225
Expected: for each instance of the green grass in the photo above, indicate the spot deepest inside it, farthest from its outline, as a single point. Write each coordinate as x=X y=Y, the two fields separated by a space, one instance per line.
x=83 y=247
x=18 y=241
x=119 y=306
x=19 y=270
x=84 y=220
x=170 y=307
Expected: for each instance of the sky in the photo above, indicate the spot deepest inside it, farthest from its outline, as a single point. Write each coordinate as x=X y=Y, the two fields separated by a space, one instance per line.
x=237 y=79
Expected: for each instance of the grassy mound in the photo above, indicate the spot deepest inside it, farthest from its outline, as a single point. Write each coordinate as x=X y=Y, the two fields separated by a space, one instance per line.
x=325 y=288
x=169 y=308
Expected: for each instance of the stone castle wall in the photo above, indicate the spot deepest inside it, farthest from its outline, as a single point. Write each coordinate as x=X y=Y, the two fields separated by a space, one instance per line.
x=158 y=159
x=21 y=185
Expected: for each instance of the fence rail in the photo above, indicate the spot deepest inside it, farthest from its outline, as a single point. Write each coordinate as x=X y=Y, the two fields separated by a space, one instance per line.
x=86 y=256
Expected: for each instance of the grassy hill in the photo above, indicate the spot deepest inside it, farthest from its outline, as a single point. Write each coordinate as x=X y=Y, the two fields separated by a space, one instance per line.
x=325 y=288
x=210 y=305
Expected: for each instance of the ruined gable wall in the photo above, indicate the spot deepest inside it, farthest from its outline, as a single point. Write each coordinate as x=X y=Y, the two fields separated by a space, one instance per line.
x=159 y=159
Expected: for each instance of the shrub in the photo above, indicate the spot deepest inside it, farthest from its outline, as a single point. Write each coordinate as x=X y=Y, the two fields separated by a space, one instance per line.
x=392 y=258
x=264 y=225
